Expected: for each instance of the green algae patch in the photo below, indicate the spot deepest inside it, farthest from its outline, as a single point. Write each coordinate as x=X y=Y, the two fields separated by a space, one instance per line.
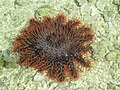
x=111 y=56
x=43 y=10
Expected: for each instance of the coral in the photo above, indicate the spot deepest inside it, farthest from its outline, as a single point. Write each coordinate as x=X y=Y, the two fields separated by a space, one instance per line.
x=56 y=45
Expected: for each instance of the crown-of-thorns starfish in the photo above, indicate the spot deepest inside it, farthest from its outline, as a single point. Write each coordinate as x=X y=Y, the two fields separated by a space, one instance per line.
x=56 y=45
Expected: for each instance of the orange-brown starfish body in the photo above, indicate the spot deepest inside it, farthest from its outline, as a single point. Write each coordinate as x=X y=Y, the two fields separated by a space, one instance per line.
x=55 y=45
